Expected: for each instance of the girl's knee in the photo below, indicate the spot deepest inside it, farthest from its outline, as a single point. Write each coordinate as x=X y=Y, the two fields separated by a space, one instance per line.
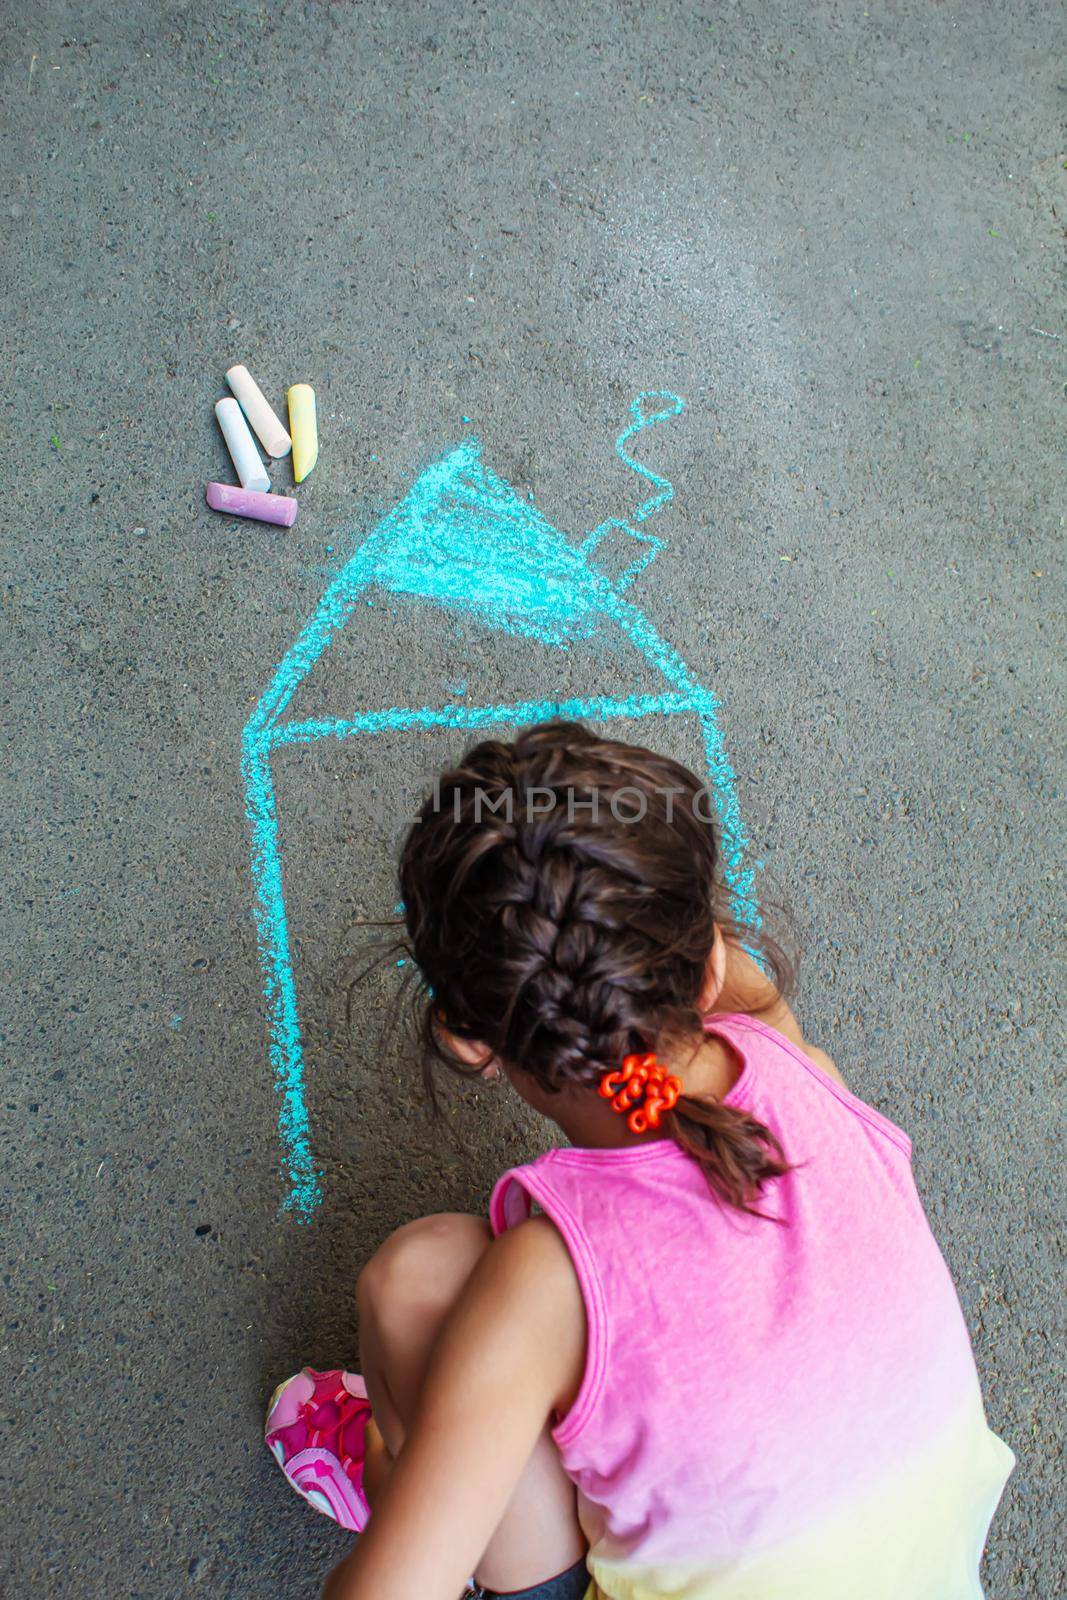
x=422 y=1267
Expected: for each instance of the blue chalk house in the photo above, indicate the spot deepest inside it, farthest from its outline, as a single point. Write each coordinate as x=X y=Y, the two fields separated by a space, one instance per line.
x=464 y=540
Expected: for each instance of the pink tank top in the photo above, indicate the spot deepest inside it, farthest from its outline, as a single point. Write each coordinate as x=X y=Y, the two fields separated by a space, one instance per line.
x=769 y=1410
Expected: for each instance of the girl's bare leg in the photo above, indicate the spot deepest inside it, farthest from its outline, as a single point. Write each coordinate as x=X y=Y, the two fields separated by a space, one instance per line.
x=403 y=1296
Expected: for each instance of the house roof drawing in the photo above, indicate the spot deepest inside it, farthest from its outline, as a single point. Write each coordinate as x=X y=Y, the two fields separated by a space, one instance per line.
x=464 y=540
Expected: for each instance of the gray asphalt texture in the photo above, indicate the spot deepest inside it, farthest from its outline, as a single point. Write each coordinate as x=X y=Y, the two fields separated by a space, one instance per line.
x=837 y=233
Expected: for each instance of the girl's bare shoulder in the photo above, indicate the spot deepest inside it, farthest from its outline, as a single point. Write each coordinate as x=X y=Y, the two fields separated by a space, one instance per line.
x=747 y=988
x=527 y=1277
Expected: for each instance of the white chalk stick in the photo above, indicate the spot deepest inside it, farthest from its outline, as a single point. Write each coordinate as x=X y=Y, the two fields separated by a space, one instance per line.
x=241 y=445
x=272 y=436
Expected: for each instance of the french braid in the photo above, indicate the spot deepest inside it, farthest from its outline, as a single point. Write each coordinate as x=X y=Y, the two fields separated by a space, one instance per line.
x=564 y=937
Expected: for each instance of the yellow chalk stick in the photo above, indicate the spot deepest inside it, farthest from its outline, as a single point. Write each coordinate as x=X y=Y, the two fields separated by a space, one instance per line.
x=304 y=429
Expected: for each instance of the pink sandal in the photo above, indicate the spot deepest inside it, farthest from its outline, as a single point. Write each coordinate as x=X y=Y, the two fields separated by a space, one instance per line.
x=316 y=1425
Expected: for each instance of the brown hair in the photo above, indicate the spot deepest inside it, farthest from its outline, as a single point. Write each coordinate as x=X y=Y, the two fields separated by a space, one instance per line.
x=560 y=894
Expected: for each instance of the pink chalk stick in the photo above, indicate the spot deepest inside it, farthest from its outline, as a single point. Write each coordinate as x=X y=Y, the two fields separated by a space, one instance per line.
x=278 y=508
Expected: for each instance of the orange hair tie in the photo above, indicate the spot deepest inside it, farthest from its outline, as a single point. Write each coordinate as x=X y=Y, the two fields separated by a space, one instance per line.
x=641 y=1091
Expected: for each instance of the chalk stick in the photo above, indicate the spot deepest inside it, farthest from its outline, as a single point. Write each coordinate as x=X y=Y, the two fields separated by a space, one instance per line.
x=272 y=436
x=278 y=508
x=304 y=429
x=241 y=445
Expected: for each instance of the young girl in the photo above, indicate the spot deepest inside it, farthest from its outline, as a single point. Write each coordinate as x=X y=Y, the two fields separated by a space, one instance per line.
x=711 y=1349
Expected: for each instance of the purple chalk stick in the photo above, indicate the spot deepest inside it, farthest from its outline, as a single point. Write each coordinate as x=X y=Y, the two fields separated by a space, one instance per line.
x=279 y=508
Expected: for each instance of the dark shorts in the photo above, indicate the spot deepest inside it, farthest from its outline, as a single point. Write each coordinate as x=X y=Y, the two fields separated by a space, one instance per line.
x=570 y=1585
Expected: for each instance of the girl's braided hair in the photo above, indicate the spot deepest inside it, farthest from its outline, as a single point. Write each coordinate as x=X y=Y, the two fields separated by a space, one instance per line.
x=561 y=893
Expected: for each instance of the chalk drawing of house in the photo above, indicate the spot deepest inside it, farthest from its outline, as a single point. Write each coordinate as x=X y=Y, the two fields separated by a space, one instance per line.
x=464 y=540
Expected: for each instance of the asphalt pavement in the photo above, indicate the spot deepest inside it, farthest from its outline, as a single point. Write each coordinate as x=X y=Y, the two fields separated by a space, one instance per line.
x=835 y=235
